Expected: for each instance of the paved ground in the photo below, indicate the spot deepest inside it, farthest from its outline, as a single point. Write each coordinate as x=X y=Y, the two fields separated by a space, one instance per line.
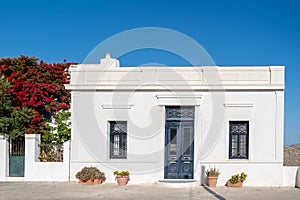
x=66 y=190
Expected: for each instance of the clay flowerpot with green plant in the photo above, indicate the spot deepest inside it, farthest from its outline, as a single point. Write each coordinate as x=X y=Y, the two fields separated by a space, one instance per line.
x=212 y=175
x=90 y=175
x=237 y=180
x=99 y=177
x=122 y=177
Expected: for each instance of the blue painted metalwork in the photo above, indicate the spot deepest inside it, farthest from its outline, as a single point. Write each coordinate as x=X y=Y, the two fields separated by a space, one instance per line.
x=179 y=143
x=17 y=157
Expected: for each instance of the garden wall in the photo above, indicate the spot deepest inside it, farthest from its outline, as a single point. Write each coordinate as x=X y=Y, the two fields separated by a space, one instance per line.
x=34 y=170
x=289 y=176
x=44 y=171
x=3 y=157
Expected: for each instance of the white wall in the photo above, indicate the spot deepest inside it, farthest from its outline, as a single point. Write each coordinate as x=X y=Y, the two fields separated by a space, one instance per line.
x=44 y=171
x=3 y=157
x=34 y=169
x=139 y=95
x=259 y=174
x=289 y=176
x=90 y=139
x=145 y=123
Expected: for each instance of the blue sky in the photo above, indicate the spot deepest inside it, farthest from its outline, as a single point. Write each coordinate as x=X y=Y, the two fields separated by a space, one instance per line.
x=240 y=32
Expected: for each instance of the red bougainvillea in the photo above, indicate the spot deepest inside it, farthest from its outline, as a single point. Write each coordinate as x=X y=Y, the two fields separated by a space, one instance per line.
x=37 y=85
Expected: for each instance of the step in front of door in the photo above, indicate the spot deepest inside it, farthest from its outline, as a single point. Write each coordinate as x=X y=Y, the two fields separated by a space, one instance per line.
x=178 y=183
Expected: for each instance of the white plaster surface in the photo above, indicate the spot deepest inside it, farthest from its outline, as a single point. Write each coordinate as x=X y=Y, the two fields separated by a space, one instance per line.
x=139 y=95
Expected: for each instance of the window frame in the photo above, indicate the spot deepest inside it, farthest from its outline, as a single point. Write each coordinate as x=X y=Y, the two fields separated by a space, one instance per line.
x=122 y=146
x=231 y=156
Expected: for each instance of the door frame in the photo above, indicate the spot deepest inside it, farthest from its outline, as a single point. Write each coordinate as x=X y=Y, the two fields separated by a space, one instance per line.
x=179 y=124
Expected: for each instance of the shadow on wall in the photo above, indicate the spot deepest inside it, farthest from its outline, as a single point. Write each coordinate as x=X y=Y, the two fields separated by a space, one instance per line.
x=298 y=178
x=202 y=178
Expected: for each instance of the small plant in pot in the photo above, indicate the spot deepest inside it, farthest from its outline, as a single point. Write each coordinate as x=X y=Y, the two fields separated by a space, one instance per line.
x=84 y=176
x=122 y=177
x=96 y=175
x=90 y=175
x=212 y=176
x=237 y=180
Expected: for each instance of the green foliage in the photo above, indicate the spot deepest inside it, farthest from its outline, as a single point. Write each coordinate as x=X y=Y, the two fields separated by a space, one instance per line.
x=54 y=135
x=51 y=153
x=235 y=179
x=14 y=121
x=238 y=178
x=5 y=107
x=212 y=172
x=5 y=98
x=243 y=177
x=121 y=173
x=20 y=121
x=59 y=131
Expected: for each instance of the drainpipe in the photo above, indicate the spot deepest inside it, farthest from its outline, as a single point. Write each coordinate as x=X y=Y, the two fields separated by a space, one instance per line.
x=69 y=175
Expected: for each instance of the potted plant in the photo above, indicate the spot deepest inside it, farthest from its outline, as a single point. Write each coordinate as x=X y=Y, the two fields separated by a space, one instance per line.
x=122 y=177
x=96 y=175
x=84 y=176
x=237 y=180
x=90 y=175
x=212 y=176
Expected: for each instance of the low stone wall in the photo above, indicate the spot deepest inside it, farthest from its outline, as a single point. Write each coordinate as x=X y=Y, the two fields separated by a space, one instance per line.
x=3 y=157
x=298 y=178
x=34 y=170
x=289 y=176
x=44 y=171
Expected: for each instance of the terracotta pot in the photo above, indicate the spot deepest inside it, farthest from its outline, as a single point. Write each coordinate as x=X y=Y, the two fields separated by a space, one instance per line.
x=122 y=180
x=97 y=181
x=236 y=185
x=88 y=182
x=212 y=181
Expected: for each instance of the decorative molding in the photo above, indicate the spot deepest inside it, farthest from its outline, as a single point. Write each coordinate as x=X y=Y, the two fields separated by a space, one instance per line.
x=75 y=93
x=179 y=96
x=279 y=93
x=117 y=106
x=239 y=104
x=179 y=99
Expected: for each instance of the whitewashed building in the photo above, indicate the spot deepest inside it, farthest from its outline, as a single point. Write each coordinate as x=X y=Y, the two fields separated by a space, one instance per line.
x=168 y=123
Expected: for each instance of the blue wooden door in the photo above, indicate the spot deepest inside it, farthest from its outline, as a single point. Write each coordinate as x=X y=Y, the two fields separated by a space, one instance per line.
x=172 y=155
x=179 y=147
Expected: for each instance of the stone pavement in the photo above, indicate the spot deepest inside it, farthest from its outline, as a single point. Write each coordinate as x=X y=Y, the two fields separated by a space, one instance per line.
x=72 y=190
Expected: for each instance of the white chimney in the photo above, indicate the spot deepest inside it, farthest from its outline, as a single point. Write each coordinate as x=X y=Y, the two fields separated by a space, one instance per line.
x=109 y=62
x=107 y=55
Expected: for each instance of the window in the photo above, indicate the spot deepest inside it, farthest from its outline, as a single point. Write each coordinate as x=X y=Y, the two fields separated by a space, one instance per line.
x=238 y=139
x=118 y=139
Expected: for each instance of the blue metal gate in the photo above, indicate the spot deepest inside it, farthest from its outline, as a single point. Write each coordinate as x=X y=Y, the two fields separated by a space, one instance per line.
x=16 y=156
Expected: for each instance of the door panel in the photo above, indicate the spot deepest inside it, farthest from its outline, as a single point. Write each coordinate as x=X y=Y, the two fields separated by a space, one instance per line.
x=187 y=153
x=172 y=150
x=16 y=166
x=179 y=150
x=17 y=156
